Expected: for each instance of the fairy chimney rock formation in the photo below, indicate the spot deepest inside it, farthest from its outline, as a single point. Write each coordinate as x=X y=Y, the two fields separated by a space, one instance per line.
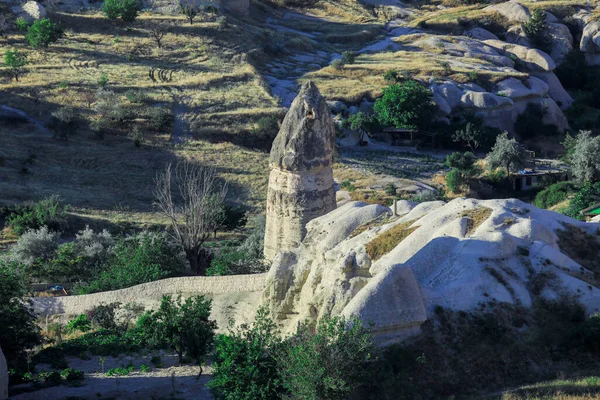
x=301 y=184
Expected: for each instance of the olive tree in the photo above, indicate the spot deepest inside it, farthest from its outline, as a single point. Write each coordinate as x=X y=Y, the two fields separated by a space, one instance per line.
x=585 y=157
x=193 y=202
x=16 y=62
x=506 y=153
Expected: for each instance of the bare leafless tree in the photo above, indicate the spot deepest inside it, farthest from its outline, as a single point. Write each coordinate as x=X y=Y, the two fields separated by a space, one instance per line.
x=193 y=201
x=157 y=30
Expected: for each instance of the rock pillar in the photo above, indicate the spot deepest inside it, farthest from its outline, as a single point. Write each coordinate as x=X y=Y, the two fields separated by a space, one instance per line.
x=301 y=185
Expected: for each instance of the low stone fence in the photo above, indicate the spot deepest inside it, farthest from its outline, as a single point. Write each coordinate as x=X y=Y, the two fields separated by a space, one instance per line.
x=148 y=294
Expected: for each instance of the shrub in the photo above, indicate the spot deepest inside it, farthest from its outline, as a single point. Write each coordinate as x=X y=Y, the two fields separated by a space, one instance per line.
x=64 y=122
x=189 y=9
x=103 y=80
x=235 y=217
x=120 y=371
x=137 y=136
x=182 y=326
x=126 y=9
x=16 y=62
x=554 y=194
x=142 y=258
x=43 y=32
x=328 y=361
x=104 y=315
x=586 y=197
x=472 y=136
x=535 y=28
x=34 y=246
x=364 y=124
x=348 y=57
x=337 y=64
x=160 y=118
x=254 y=244
x=454 y=180
x=267 y=127
x=18 y=321
x=406 y=105
x=348 y=185
x=245 y=365
x=390 y=189
x=236 y=260
x=50 y=212
x=81 y=323
x=391 y=76
x=464 y=162
x=72 y=375
x=21 y=24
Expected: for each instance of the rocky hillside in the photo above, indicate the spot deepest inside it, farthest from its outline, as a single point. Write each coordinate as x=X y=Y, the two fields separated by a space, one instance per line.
x=395 y=270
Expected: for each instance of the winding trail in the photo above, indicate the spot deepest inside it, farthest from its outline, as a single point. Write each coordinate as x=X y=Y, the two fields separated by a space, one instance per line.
x=31 y=120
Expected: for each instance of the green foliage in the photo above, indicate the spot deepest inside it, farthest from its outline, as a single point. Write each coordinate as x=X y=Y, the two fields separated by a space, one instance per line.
x=182 y=326
x=554 y=194
x=142 y=258
x=236 y=260
x=348 y=185
x=81 y=323
x=586 y=197
x=104 y=315
x=472 y=136
x=43 y=32
x=126 y=9
x=16 y=62
x=569 y=145
x=50 y=212
x=454 y=180
x=104 y=342
x=103 y=80
x=406 y=105
x=348 y=57
x=72 y=375
x=464 y=162
x=245 y=365
x=585 y=157
x=33 y=248
x=144 y=368
x=391 y=76
x=391 y=189
x=267 y=127
x=365 y=124
x=536 y=27
x=506 y=153
x=337 y=64
x=327 y=362
x=19 y=328
x=64 y=122
x=234 y=218
x=21 y=24
x=529 y=124
x=120 y=371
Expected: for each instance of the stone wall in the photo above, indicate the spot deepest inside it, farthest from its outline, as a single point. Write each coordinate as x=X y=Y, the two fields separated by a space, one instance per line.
x=149 y=294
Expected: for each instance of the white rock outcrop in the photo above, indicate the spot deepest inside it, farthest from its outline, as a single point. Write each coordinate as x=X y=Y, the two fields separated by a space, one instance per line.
x=533 y=59
x=512 y=10
x=31 y=11
x=458 y=255
x=301 y=185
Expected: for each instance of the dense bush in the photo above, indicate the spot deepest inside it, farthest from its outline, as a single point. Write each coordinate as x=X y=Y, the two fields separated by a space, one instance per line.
x=454 y=180
x=462 y=161
x=328 y=361
x=267 y=127
x=104 y=316
x=33 y=247
x=19 y=328
x=365 y=124
x=535 y=29
x=43 y=32
x=529 y=124
x=348 y=57
x=50 y=212
x=16 y=62
x=554 y=194
x=586 y=197
x=81 y=323
x=137 y=259
x=182 y=326
x=405 y=105
x=126 y=9
x=585 y=157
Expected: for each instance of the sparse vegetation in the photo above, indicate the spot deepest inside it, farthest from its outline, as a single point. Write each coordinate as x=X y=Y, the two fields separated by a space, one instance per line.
x=475 y=217
x=388 y=240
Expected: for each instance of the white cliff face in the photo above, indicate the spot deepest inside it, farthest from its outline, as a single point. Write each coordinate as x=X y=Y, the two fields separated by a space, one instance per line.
x=456 y=255
x=301 y=185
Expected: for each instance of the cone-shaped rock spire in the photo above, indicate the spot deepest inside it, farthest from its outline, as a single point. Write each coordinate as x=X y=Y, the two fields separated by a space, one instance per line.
x=301 y=180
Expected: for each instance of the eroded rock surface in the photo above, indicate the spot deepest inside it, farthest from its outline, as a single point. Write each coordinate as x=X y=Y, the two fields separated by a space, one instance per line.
x=457 y=255
x=301 y=185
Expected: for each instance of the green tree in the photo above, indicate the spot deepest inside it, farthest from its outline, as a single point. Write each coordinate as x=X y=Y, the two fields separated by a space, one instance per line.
x=585 y=157
x=348 y=57
x=128 y=10
x=43 y=32
x=245 y=366
x=185 y=326
x=16 y=62
x=328 y=361
x=19 y=328
x=365 y=124
x=506 y=153
x=535 y=28
x=464 y=162
x=454 y=180
x=586 y=197
x=189 y=9
x=405 y=105
x=471 y=135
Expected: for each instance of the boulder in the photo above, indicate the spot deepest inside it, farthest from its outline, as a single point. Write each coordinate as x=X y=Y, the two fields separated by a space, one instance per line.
x=450 y=92
x=514 y=88
x=31 y=11
x=533 y=59
x=556 y=90
x=480 y=34
x=3 y=377
x=442 y=104
x=590 y=42
x=516 y=34
x=301 y=185
x=512 y=10
x=561 y=41
x=471 y=99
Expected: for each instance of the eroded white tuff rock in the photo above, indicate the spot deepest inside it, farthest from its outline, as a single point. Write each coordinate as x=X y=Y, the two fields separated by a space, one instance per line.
x=513 y=11
x=31 y=11
x=301 y=185
x=3 y=377
x=457 y=255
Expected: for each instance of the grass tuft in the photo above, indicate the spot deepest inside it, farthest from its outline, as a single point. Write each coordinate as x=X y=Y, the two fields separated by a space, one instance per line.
x=388 y=240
